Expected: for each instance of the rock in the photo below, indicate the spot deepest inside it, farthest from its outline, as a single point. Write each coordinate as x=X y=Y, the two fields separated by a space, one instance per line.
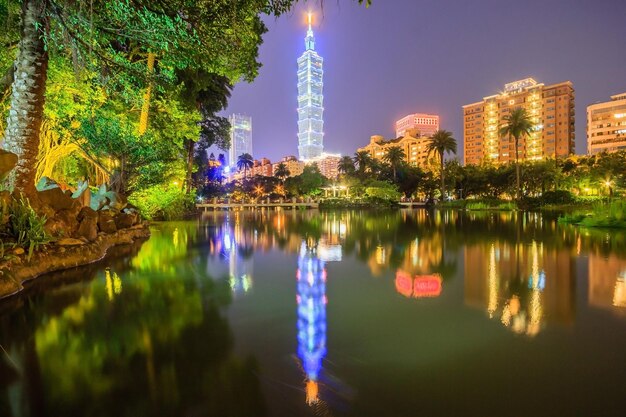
x=18 y=251
x=68 y=241
x=88 y=228
x=124 y=220
x=86 y=212
x=46 y=183
x=82 y=194
x=106 y=221
x=55 y=198
x=8 y=160
x=5 y=201
x=64 y=223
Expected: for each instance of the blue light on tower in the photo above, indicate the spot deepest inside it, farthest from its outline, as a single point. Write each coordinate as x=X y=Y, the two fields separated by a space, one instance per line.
x=310 y=100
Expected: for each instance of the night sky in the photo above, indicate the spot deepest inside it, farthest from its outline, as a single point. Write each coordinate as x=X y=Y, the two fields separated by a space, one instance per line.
x=405 y=56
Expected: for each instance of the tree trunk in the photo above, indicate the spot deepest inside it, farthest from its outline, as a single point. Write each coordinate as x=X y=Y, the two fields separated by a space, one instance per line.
x=189 y=146
x=28 y=97
x=517 y=173
x=442 y=180
x=145 y=108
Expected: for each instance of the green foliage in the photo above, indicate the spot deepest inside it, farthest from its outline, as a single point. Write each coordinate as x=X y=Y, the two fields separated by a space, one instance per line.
x=610 y=215
x=383 y=191
x=162 y=202
x=308 y=183
x=25 y=226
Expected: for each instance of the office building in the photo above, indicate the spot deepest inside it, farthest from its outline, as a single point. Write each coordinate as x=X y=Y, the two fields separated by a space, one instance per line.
x=606 y=125
x=426 y=124
x=240 y=137
x=551 y=108
x=310 y=100
x=412 y=143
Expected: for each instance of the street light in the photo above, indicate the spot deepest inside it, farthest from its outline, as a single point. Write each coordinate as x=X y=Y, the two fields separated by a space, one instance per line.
x=608 y=184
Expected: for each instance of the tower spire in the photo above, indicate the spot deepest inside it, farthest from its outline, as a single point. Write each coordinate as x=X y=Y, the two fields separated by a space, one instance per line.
x=309 y=41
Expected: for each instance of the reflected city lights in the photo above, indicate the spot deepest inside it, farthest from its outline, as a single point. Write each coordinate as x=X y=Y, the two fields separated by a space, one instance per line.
x=311 y=299
x=420 y=286
x=619 y=295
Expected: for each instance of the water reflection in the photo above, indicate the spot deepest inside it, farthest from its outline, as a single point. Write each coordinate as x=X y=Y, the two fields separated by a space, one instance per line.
x=150 y=334
x=311 y=300
x=520 y=284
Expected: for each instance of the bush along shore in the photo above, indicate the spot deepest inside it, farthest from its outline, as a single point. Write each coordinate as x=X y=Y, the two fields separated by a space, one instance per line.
x=61 y=229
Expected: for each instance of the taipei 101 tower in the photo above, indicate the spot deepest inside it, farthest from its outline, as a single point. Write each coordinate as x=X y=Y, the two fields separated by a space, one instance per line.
x=310 y=100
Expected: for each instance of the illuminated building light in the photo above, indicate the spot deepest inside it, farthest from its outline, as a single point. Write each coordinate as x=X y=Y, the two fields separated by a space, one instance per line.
x=310 y=100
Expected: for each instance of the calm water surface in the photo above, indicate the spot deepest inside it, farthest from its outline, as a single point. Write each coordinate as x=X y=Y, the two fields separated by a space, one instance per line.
x=285 y=313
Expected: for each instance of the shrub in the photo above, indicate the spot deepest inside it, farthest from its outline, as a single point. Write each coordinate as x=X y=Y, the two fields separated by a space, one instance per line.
x=557 y=197
x=25 y=226
x=163 y=202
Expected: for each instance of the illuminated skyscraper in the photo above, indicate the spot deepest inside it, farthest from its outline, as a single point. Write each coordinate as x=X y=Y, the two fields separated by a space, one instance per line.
x=310 y=100
x=240 y=137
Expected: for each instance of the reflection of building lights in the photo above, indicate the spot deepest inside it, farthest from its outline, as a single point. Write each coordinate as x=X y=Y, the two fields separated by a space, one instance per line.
x=420 y=286
x=113 y=284
x=494 y=283
x=619 y=294
x=381 y=255
x=311 y=299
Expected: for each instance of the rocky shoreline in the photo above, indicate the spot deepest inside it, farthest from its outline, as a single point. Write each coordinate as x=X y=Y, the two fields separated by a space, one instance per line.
x=63 y=254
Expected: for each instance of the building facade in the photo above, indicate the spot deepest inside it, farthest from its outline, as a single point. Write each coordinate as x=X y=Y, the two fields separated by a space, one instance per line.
x=292 y=163
x=328 y=165
x=412 y=143
x=426 y=124
x=551 y=108
x=310 y=100
x=240 y=137
x=606 y=125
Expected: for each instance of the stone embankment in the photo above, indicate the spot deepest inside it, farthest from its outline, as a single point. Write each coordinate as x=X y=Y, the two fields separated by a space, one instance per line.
x=62 y=254
x=60 y=228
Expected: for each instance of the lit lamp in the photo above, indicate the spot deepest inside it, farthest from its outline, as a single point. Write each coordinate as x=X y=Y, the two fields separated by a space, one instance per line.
x=608 y=184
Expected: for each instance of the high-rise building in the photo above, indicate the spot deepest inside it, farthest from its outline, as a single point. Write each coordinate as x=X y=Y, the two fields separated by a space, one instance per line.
x=412 y=143
x=551 y=108
x=427 y=124
x=240 y=137
x=606 y=125
x=310 y=100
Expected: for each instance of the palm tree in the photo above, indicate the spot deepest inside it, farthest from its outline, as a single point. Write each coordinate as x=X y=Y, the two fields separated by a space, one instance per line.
x=517 y=124
x=364 y=160
x=441 y=142
x=245 y=162
x=394 y=156
x=346 y=165
x=282 y=171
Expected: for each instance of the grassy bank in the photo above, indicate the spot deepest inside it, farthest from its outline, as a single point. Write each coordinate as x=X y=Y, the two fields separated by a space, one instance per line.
x=609 y=214
x=357 y=203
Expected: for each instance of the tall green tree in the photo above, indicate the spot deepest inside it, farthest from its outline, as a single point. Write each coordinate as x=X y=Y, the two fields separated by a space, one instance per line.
x=363 y=161
x=442 y=142
x=346 y=165
x=245 y=162
x=517 y=124
x=282 y=171
x=394 y=157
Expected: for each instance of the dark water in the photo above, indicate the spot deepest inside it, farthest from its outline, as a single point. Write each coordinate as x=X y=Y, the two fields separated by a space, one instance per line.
x=336 y=314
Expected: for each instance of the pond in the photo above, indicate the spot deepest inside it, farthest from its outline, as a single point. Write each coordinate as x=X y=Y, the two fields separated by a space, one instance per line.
x=307 y=313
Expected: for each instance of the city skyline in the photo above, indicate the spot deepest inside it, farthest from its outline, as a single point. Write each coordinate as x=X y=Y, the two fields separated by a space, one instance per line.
x=357 y=106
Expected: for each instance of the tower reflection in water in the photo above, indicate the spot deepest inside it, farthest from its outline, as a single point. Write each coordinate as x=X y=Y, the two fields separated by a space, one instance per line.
x=311 y=299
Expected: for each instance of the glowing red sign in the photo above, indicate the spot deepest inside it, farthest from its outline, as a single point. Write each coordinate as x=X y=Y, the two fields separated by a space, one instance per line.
x=419 y=286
